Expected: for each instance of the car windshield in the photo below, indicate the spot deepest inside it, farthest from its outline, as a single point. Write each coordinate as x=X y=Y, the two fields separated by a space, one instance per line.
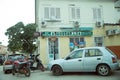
x=19 y=58
x=10 y=57
x=14 y=57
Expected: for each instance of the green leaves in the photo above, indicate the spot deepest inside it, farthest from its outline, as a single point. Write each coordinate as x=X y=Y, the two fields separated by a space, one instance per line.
x=21 y=37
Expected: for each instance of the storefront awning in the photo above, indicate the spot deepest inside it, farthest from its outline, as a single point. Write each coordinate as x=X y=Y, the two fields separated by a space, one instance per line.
x=82 y=31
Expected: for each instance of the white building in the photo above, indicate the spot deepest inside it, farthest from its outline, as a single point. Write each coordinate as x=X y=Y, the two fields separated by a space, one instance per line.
x=66 y=23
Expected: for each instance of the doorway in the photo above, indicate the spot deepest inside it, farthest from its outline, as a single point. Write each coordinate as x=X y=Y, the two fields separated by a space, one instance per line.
x=53 y=48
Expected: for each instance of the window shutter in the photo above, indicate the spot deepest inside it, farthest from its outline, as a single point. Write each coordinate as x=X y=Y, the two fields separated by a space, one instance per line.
x=52 y=12
x=78 y=13
x=73 y=13
x=46 y=13
x=58 y=13
x=99 y=13
x=94 y=14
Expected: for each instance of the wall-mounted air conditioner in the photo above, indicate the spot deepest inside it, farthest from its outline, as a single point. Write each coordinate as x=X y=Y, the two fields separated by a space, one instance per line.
x=98 y=24
x=117 y=31
x=76 y=24
x=109 y=32
x=43 y=24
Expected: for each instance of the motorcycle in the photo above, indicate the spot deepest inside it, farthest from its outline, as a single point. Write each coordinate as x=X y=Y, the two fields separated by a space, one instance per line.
x=39 y=65
x=22 y=66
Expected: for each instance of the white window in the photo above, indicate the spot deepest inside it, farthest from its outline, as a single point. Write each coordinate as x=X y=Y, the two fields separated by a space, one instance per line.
x=97 y=14
x=74 y=13
x=51 y=13
x=98 y=41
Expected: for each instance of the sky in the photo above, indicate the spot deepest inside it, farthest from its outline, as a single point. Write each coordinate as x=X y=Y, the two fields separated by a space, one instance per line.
x=14 y=11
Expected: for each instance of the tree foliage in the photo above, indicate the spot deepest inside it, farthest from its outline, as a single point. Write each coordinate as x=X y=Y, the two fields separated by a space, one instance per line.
x=21 y=37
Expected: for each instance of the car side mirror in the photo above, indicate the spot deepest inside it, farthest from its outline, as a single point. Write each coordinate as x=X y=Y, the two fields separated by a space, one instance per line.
x=67 y=58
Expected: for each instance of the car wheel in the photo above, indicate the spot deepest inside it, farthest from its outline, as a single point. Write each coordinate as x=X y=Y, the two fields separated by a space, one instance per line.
x=13 y=72
x=5 y=72
x=103 y=70
x=1 y=63
x=57 y=70
x=27 y=72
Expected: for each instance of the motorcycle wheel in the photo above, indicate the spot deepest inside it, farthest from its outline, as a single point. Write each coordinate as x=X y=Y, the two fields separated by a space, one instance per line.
x=42 y=68
x=27 y=72
x=13 y=72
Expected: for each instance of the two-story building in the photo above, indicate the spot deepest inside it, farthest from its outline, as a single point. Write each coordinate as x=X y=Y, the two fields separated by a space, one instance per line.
x=65 y=25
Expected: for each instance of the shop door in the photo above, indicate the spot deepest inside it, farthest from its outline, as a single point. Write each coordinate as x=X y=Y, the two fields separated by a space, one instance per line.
x=53 y=48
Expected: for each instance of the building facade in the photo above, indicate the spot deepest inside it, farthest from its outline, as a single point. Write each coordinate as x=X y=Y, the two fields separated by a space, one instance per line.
x=3 y=49
x=65 y=25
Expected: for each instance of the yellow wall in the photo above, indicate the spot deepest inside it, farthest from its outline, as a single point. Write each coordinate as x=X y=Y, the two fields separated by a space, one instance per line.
x=64 y=46
x=113 y=40
x=89 y=41
x=43 y=50
x=99 y=31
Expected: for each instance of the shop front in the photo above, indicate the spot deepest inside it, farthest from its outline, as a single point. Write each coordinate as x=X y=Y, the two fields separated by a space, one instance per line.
x=57 y=44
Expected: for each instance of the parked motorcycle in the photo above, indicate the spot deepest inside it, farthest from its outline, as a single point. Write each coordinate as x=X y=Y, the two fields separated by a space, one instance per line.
x=22 y=66
x=39 y=65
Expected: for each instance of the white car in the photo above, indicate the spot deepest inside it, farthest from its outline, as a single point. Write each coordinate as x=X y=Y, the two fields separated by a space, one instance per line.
x=91 y=59
x=8 y=63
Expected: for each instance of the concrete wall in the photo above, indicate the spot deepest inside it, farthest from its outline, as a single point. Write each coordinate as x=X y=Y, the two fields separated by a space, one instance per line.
x=86 y=13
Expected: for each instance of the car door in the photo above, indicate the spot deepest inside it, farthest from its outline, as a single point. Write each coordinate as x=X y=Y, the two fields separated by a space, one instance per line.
x=92 y=58
x=74 y=62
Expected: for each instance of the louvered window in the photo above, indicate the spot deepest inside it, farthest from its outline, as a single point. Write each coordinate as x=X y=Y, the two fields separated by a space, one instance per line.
x=51 y=13
x=74 y=13
x=97 y=14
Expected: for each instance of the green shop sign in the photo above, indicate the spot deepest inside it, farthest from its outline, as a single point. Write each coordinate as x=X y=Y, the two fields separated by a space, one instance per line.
x=82 y=33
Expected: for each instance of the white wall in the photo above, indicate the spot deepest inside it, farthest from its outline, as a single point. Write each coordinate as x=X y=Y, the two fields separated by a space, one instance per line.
x=109 y=12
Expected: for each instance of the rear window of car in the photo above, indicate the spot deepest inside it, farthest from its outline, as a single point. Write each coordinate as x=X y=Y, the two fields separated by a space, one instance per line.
x=110 y=51
x=10 y=58
x=19 y=58
x=15 y=57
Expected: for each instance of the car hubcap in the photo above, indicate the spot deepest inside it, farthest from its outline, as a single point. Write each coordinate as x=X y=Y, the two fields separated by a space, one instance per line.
x=103 y=70
x=57 y=70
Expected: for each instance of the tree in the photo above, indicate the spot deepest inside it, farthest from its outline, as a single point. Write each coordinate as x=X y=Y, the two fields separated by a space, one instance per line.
x=28 y=38
x=21 y=37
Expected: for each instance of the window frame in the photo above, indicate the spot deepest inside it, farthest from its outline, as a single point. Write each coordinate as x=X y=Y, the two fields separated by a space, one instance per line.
x=74 y=54
x=74 y=13
x=98 y=41
x=52 y=13
x=90 y=54
x=97 y=13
